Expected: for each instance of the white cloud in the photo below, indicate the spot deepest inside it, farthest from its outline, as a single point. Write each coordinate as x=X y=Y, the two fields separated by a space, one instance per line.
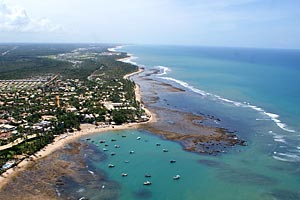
x=16 y=19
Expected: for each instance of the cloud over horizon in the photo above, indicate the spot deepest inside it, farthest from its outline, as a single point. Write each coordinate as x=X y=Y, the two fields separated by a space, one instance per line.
x=16 y=19
x=243 y=23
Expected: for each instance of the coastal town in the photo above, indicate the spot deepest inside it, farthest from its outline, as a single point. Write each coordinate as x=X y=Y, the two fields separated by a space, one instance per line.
x=35 y=110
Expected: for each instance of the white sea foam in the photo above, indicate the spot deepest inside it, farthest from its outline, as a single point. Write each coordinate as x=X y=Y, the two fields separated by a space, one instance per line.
x=271 y=116
x=130 y=59
x=114 y=49
x=279 y=138
x=186 y=85
x=164 y=70
x=287 y=157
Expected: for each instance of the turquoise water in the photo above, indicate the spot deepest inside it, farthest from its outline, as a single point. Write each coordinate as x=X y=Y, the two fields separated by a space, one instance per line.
x=202 y=177
x=255 y=92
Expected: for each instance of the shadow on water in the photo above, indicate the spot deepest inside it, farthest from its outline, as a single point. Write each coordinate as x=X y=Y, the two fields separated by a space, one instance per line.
x=238 y=176
x=281 y=194
x=212 y=163
x=143 y=194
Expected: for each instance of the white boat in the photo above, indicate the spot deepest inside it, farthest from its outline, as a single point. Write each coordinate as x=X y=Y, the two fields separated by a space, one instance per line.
x=176 y=177
x=104 y=149
x=117 y=146
x=138 y=138
x=111 y=165
x=147 y=183
x=131 y=152
x=124 y=174
x=112 y=153
x=172 y=161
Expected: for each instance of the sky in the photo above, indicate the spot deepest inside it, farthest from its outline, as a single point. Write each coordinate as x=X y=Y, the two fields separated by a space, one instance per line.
x=240 y=23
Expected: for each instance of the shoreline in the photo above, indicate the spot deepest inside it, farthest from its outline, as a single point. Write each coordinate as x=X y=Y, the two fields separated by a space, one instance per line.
x=64 y=139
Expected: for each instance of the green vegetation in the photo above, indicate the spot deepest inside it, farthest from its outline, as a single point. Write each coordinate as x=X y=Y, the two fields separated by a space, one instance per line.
x=69 y=85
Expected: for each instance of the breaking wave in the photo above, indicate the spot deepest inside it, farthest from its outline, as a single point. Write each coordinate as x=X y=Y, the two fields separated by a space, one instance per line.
x=271 y=116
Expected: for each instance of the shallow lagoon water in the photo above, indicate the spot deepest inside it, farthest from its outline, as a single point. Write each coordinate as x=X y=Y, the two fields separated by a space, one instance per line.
x=228 y=176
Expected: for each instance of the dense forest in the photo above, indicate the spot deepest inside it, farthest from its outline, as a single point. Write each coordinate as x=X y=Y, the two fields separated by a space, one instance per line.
x=19 y=61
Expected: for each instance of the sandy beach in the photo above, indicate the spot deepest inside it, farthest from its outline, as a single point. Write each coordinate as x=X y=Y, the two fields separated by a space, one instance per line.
x=61 y=140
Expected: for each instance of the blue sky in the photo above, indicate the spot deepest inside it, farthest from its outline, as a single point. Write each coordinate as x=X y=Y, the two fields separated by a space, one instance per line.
x=244 y=23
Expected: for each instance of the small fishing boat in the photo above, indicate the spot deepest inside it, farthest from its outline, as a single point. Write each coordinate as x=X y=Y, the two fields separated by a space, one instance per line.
x=138 y=138
x=117 y=146
x=102 y=141
x=124 y=174
x=131 y=152
x=147 y=175
x=165 y=150
x=112 y=153
x=104 y=149
x=157 y=144
x=126 y=161
x=176 y=177
x=113 y=140
x=106 y=145
x=123 y=136
x=147 y=183
x=111 y=165
x=172 y=161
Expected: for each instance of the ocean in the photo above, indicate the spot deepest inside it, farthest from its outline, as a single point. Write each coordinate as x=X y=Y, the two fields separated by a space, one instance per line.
x=254 y=92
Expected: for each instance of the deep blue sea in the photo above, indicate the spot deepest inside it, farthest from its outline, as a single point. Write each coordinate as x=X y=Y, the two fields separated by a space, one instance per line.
x=253 y=91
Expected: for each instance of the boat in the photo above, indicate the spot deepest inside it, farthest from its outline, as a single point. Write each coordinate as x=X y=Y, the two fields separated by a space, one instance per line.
x=123 y=136
x=147 y=175
x=126 y=161
x=157 y=144
x=131 y=152
x=104 y=149
x=8 y=164
x=176 y=177
x=172 y=161
x=111 y=165
x=147 y=183
x=113 y=140
x=138 y=138
x=165 y=150
x=117 y=146
x=102 y=141
x=112 y=153
x=124 y=174
x=106 y=145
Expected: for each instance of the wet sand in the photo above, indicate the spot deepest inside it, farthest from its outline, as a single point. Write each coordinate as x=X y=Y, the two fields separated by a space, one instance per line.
x=61 y=175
